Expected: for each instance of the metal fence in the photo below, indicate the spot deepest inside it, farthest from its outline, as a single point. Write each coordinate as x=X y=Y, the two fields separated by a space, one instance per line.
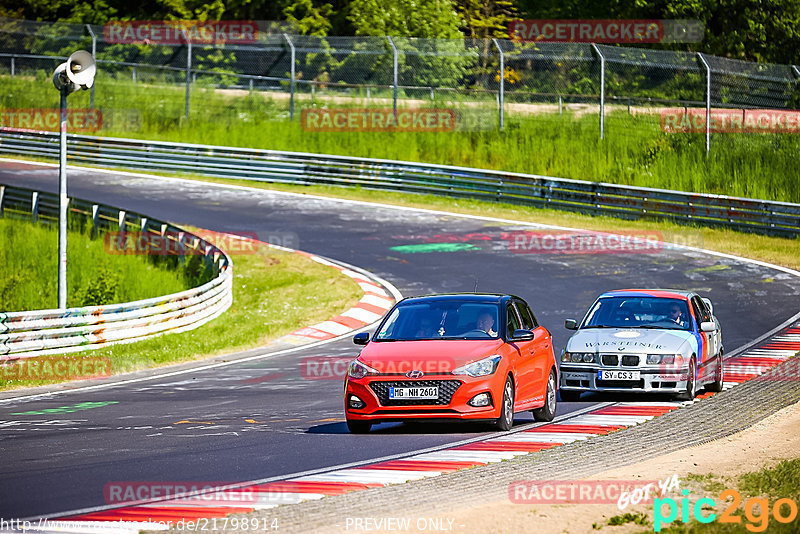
x=43 y=332
x=774 y=218
x=299 y=70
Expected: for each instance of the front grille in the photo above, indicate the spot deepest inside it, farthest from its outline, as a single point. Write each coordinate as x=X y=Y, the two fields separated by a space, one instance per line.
x=611 y=360
x=622 y=384
x=446 y=390
x=630 y=361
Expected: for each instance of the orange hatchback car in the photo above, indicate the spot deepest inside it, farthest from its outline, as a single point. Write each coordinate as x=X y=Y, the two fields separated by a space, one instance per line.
x=457 y=357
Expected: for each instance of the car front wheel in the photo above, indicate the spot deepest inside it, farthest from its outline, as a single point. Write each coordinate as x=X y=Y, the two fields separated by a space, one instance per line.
x=506 y=419
x=691 y=382
x=548 y=411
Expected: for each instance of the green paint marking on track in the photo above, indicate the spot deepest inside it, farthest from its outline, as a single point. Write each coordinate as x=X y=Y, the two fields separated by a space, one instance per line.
x=68 y=409
x=424 y=248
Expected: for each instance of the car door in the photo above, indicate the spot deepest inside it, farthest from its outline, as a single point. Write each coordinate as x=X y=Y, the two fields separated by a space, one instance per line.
x=706 y=349
x=533 y=361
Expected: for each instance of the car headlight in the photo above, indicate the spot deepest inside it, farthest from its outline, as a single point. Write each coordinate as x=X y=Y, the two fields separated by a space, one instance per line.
x=360 y=370
x=669 y=359
x=578 y=357
x=482 y=367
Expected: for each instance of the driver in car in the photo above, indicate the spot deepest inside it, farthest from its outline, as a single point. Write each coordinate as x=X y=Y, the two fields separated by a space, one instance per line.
x=485 y=323
x=676 y=315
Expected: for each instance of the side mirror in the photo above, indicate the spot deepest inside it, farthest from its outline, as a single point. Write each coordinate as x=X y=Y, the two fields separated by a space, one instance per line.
x=571 y=324
x=707 y=326
x=522 y=335
x=362 y=338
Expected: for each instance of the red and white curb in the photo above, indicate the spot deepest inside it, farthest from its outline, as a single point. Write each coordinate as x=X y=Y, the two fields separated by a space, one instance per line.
x=599 y=421
x=372 y=306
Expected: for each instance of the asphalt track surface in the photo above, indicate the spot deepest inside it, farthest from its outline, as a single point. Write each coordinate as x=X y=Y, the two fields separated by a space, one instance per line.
x=262 y=419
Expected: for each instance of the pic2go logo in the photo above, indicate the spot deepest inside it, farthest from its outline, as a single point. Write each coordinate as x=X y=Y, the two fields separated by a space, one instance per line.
x=756 y=511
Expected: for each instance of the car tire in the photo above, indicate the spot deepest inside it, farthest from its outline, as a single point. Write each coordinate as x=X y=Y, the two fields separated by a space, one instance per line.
x=570 y=395
x=719 y=376
x=358 y=427
x=691 y=383
x=548 y=411
x=506 y=419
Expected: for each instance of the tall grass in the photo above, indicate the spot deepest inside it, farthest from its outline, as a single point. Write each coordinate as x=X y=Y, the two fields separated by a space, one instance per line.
x=635 y=150
x=29 y=267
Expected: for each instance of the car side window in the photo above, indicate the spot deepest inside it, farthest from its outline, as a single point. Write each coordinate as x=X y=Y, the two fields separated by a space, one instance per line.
x=512 y=320
x=528 y=320
x=700 y=311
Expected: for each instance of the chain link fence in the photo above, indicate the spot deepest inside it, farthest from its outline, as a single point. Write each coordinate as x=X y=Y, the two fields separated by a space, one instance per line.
x=498 y=77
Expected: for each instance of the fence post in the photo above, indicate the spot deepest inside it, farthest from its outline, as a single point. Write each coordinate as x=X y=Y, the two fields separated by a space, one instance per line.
x=188 y=70
x=291 y=83
x=501 y=96
x=602 y=89
x=708 y=101
x=394 y=83
x=133 y=74
x=13 y=67
x=94 y=55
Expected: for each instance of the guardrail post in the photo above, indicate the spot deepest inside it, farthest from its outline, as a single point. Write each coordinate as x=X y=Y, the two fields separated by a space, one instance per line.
x=394 y=82
x=602 y=89
x=122 y=226
x=708 y=101
x=95 y=219
x=2 y=197
x=188 y=70
x=143 y=222
x=35 y=206
x=501 y=95
x=291 y=81
x=94 y=55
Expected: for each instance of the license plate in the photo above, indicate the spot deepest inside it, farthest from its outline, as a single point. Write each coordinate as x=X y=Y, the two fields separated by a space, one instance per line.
x=618 y=375
x=414 y=393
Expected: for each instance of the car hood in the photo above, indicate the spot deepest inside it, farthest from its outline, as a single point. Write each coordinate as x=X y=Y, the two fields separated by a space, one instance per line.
x=430 y=357
x=650 y=341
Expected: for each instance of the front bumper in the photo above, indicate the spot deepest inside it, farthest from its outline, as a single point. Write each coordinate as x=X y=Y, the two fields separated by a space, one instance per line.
x=372 y=390
x=585 y=378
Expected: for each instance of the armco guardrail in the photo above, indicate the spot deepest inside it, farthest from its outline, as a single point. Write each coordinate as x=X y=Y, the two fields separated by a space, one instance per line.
x=776 y=218
x=42 y=332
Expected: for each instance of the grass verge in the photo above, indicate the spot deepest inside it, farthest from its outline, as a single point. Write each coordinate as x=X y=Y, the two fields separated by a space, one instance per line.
x=94 y=277
x=274 y=293
x=635 y=150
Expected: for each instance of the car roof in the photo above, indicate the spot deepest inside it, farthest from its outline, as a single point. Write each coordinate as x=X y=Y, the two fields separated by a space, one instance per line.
x=483 y=298
x=658 y=293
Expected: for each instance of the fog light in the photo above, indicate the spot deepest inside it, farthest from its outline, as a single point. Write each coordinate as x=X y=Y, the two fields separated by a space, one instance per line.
x=356 y=403
x=481 y=399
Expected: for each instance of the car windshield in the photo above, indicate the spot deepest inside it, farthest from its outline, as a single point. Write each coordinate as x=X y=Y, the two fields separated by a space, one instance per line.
x=440 y=319
x=639 y=312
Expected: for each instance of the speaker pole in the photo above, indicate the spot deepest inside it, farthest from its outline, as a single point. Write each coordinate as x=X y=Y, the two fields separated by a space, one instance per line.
x=62 y=204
